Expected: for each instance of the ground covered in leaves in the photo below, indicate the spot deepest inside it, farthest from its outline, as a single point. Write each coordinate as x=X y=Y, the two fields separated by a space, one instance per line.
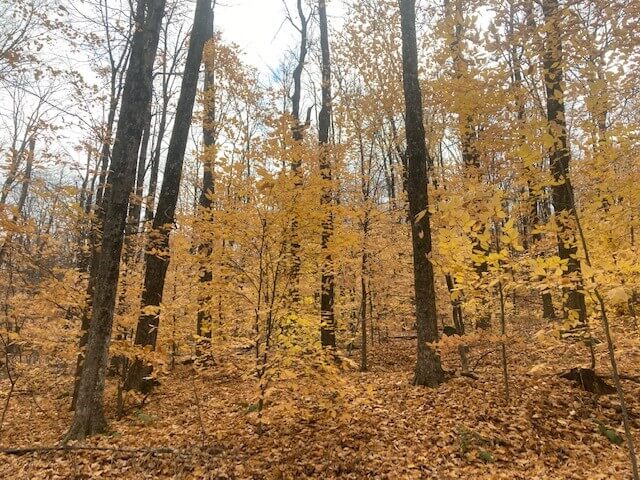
x=203 y=423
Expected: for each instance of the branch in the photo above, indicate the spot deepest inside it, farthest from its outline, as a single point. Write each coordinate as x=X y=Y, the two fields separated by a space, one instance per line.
x=27 y=450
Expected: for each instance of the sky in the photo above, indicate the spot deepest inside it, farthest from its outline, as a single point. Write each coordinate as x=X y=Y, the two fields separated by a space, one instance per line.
x=260 y=29
x=255 y=26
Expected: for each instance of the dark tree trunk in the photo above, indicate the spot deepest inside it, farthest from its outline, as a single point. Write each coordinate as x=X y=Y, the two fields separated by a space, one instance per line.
x=428 y=369
x=363 y=311
x=560 y=157
x=203 y=323
x=156 y=265
x=468 y=138
x=548 y=311
x=297 y=132
x=458 y=322
x=532 y=217
x=135 y=209
x=22 y=199
x=327 y=315
x=92 y=260
x=89 y=415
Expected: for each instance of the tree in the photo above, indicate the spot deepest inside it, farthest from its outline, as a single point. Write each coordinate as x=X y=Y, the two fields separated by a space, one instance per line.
x=117 y=51
x=156 y=256
x=560 y=157
x=89 y=416
x=297 y=131
x=428 y=369
x=327 y=315
x=209 y=133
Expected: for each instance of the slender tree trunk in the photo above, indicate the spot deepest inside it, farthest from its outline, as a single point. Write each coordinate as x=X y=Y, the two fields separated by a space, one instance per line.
x=364 y=267
x=468 y=138
x=428 y=369
x=91 y=263
x=531 y=218
x=156 y=265
x=297 y=132
x=203 y=322
x=327 y=315
x=135 y=209
x=560 y=157
x=22 y=199
x=89 y=415
x=157 y=151
x=458 y=322
x=363 y=311
x=84 y=202
x=153 y=175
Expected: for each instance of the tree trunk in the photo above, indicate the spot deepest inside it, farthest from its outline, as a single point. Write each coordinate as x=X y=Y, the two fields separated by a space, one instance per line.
x=156 y=265
x=560 y=157
x=468 y=138
x=297 y=132
x=363 y=311
x=89 y=416
x=327 y=315
x=458 y=322
x=203 y=323
x=22 y=199
x=135 y=209
x=428 y=369
x=91 y=263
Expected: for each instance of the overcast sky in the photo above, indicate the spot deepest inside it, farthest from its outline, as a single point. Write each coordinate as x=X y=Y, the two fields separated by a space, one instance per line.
x=255 y=26
x=260 y=29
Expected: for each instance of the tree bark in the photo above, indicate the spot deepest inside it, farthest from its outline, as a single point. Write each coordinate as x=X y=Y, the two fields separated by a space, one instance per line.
x=327 y=315
x=89 y=415
x=24 y=190
x=428 y=368
x=297 y=132
x=92 y=260
x=203 y=322
x=560 y=157
x=156 y=264
x=135 y=209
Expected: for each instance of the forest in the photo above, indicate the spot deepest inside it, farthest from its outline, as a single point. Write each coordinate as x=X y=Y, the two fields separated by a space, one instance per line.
x=391 y=239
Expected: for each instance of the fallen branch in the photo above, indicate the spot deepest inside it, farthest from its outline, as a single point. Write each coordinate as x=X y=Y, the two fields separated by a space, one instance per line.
x=403 y=337
x=62 y=448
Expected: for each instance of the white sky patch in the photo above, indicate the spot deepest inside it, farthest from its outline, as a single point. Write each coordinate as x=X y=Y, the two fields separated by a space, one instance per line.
x=257 y=27
x=261 y=28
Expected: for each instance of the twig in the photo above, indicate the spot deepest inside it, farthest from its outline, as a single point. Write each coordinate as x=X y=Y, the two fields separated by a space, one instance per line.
x=480 y=358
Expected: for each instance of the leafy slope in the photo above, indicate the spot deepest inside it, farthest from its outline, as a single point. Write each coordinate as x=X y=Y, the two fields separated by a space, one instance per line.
x=373 y=425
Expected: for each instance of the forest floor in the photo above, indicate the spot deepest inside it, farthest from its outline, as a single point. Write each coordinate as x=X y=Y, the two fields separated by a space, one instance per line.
x=379 y=426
